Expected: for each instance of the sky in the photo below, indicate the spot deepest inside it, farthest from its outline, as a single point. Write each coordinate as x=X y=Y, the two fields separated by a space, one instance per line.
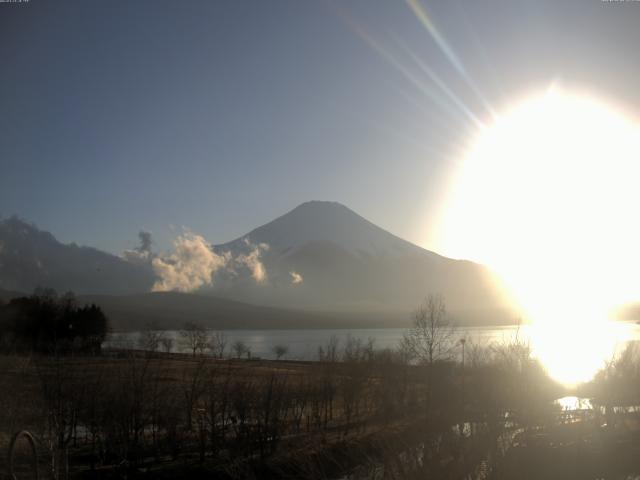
x=219 y=116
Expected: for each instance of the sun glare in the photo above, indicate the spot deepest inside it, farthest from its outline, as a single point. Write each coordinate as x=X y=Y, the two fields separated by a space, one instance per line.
x=547 y=197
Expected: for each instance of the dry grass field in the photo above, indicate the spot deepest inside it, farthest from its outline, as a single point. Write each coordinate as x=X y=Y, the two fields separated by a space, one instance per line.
x=128 y=414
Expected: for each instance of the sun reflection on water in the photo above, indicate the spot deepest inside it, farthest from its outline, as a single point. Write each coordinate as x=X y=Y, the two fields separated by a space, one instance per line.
x=573 y=403
x=546 y=197
x=573 y=354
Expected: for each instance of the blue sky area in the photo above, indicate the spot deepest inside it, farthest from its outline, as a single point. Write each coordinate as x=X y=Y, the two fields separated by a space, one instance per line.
x=221 y=115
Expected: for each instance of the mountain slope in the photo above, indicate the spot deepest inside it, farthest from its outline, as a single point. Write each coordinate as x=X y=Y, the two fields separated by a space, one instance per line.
x=347 y=263
x=30 y=257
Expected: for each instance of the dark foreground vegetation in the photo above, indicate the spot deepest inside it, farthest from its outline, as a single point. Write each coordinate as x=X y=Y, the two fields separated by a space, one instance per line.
x=357 y=412
x=47 y=323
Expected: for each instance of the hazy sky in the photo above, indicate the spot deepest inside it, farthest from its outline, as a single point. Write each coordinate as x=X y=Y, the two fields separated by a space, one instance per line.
x=221 y=115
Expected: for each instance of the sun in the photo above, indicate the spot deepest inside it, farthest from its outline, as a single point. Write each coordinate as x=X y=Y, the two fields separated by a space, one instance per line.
x=547 y=196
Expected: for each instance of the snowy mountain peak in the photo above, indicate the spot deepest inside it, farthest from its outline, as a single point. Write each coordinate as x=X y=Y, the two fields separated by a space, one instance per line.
x=326 y=222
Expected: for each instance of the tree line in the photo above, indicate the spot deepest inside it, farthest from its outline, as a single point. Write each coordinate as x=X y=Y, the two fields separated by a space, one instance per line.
x=193 y=338
x=46 y=322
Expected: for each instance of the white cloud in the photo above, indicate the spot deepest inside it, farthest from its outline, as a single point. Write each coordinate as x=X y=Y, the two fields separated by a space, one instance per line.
x=194 y=263
x=253 y=262
x=296 y=278
x=190 y=267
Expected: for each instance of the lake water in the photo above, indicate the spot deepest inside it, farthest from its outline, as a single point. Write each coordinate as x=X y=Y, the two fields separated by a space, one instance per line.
x=303 y=344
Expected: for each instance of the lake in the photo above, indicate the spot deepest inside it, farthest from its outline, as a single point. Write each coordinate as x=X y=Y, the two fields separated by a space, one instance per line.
x=303 y=344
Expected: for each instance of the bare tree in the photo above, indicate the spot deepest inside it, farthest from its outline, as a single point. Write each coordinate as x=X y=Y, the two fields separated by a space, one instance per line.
x=63 y=395
x=218 y=344
x=356 y=350
x=329 y=353
x=217 y=405
x=195 y=337
x=150 y=338
x=280 y=351
x=194 y=379
x=269 y=412
x=240 y=348
x=167 y=343
x=431 y=338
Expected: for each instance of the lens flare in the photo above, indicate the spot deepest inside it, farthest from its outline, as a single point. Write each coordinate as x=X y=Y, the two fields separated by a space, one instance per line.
x=547 y=197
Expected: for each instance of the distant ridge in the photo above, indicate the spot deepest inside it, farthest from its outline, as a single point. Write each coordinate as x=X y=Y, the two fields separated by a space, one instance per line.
x=170 y=310
x=30 y=257
x=341 y=263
